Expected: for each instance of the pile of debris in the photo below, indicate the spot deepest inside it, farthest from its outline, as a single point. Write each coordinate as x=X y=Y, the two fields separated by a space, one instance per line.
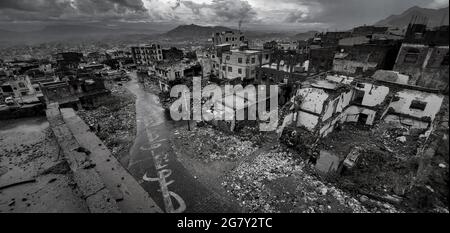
x=275 y=182
x=386 y=166
x=208 y=144
x=253 y=134
x=114 y=122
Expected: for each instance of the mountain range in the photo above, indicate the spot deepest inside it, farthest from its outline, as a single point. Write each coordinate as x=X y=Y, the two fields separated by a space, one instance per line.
x=435 y=17
x=194 y=31
x=64 y=32
x=147 y=31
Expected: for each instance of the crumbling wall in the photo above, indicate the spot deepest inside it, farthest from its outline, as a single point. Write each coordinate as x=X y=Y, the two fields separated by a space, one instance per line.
x=353 y=67
x=405 y=98
x=424 y=64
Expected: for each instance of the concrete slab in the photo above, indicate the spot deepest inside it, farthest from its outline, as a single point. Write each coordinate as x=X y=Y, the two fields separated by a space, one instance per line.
x=128 y=193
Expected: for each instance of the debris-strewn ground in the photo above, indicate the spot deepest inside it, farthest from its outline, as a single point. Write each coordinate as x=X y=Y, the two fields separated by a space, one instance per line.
x=260 y=178
x=387 y=164
x=114 y=121
x=275 y=182
x=208 y=144
x=33 y=175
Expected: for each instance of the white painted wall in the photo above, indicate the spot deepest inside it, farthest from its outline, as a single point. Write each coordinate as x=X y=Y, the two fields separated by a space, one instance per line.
x=308 y=120
x=329 y=110
x=434 y=102
x=373 y=95
x=344 y=101
x=313 y=99
x=352 y=114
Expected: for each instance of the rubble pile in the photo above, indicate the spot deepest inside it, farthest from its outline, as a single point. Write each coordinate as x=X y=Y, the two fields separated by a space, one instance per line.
x=386 y=165
x=253 y=134
x=23 y=154
x=255 y=184
x=209 y=145
x=114 y=122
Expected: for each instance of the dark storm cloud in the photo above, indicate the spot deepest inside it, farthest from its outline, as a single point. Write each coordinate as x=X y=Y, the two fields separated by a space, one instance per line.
x=344 y=12
x=223 y=10
x=136 y=5
x=45 y=10
x=279 y=13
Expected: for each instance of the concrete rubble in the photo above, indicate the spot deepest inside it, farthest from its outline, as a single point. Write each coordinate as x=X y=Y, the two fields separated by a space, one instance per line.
x=114 y=122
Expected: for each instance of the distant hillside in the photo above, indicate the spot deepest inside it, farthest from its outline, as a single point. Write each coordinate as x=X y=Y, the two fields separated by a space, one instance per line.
x=435 y=17
x=66 y=32
x=194 y=31
x=305 y=35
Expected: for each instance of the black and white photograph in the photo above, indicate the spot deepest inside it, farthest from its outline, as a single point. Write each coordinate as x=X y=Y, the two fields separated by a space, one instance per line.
x=248 y=107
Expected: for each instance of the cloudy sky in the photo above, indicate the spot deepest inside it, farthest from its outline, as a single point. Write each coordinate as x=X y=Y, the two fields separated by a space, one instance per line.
x=308 y=14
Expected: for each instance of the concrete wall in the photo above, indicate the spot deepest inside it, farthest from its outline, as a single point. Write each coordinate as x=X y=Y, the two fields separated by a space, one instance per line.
x=313 y=99
x=428 y=69
x=350 y=67
x=373 y=95
x=406 y=97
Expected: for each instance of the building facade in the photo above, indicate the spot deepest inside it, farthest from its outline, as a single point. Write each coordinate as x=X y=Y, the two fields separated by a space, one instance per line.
x=146 y=55
x=234 y=38
x=242 y=63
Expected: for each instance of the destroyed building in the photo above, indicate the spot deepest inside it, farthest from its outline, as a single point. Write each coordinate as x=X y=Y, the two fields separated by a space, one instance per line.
x=367 y=30
x=285 y=69
x=170 y=71
x=427 y=65
x=419 y=33
x=172 y=54
x=321 y=106
x=75 y=93
x=67 y=63
x=330 y=39
x=235 y=39
x=321 y=58
x=362 y=59
x=146 y=55
x=209 y=62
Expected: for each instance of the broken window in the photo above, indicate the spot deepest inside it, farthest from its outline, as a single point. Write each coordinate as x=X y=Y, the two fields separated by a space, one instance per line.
x=411 y=58
x=240 y=60
x=362 y=118
x=418 y=105
x=445 y=60
x=239 y=71
x=412 y=55
x=358 y=96
x=253 y=60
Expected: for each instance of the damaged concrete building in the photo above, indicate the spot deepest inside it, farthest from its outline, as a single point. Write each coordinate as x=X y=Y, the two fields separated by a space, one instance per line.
x=169 y=71
x=427 y=65
x=146 y=55
x=361 y=59
x=235 y=39
x=241 y=63
x=321 y=106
